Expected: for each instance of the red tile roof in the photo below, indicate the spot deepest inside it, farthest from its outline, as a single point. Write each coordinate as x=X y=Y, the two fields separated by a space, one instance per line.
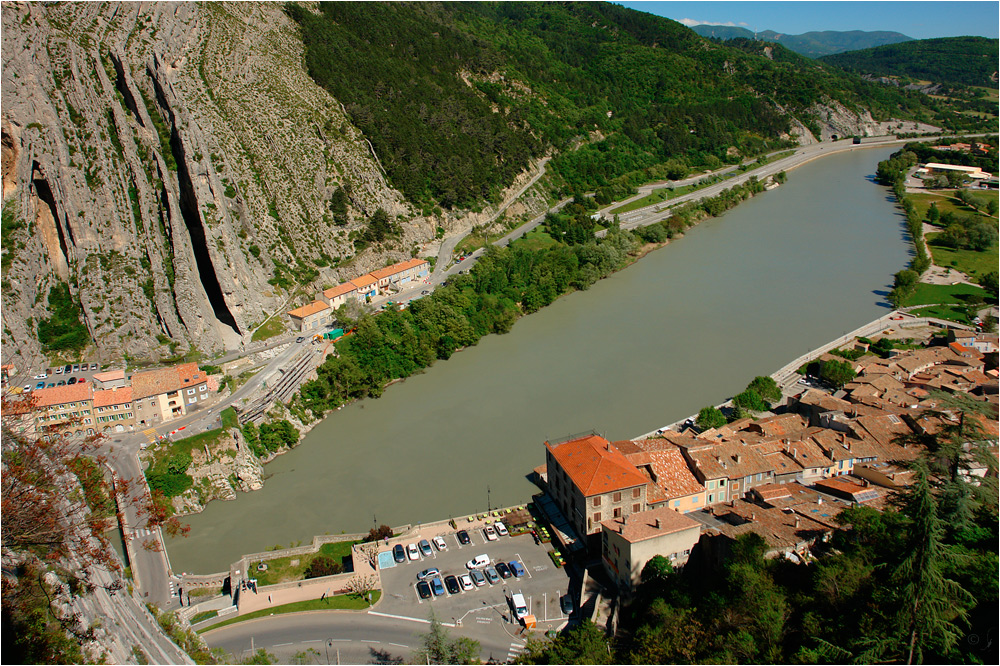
x=340 y=290
x=119 y=396
x=166 y=380
x=670 y=470
x=59 y=395
x=307 y=310
x=649 y=524
x=363 y=281
x=595 y=466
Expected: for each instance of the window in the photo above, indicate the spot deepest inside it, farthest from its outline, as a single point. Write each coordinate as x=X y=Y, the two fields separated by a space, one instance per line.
x=203 y=387
x=190 y=391
x=677 y=503
x=596 y=501
x=711 y=485
x=597 y=517
x=636 y=492
x=618 y=513
x=617 y=497
x=711 y=498
x=759 y=476
x=636 y=508
x=722 y=483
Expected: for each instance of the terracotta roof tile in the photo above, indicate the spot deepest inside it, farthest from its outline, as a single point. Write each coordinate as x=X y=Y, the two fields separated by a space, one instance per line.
x=340 y=290
x=119 y=396
x=649 y=524
x=60 y=395
x=165 y=380
x=363 y=281
x=670 y=470
x=595 y=466
x=307 y=310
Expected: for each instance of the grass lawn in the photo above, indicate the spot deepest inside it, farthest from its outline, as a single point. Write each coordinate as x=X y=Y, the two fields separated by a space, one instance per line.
x=656 y=196
x=282 y=570
x=204 y=615
x=338 y=602
x=942 y=312
x=946 y=201
x=536 y=239
x=928 y=294
x=229 y=418
x=972 y=263
x=271 y=328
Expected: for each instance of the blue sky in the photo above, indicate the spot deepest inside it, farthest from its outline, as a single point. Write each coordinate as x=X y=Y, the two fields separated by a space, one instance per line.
x=920 y=20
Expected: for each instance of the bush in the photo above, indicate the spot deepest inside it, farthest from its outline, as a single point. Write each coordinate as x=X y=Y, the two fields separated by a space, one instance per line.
x=383 y=532
x=323 y=565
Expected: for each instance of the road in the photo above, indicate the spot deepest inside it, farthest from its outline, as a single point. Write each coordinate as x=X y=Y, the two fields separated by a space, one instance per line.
x=350 y=638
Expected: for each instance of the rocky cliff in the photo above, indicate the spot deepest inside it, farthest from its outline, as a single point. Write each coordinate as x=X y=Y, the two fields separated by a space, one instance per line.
x=173 y=164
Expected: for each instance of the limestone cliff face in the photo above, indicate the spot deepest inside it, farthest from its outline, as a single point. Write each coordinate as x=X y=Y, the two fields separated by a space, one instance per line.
x=166 y=160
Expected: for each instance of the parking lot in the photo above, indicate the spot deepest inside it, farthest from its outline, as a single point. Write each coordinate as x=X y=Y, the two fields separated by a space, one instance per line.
x=543 y=584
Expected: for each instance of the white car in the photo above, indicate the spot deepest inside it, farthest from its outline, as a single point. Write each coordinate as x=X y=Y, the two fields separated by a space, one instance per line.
x=478 y=562
x=501 y=528
x=413 y=552
x=41 y=375
x=490 y=532
x=466 y=582
x=439 y=543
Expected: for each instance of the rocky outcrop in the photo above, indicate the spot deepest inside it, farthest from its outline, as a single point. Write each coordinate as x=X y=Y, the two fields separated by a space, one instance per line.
x=169 y=161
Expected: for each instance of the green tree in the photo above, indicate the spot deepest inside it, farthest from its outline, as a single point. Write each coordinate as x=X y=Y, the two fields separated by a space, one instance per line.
x=767 y=388
x=582 y=644
x=836 y=373
x=710 y=417
x=323 y=565
x=749 y=400
x=440 y=648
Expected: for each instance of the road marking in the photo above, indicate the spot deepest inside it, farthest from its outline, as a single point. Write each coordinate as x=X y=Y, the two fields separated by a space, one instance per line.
x=281 y=644
x=399 y=645
x=341 y=640
x=411 y=619
x=371 y=641
x=521 y=560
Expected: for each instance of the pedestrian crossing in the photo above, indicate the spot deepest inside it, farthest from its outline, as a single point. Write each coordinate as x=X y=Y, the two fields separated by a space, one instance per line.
x=515 y=650
x=150 y=434
x=141 y=532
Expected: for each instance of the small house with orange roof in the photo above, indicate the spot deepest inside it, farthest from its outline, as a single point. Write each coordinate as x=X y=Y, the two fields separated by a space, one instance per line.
x=341 y=294
x=629 y=542
x=113 y=410
x=366 y=285
x=590 y=481
x=310 y=317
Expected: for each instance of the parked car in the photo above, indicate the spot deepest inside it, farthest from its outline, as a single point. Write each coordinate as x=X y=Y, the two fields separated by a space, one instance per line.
x=439 y=543
x=501 y=528
x=41 y=375
x=478 y=562
x=94 y=366
x=68 y=369
x=517 y=569
x=464 y=538
x=76 y=367
x=61 y=382
x=72 y=380
x=59 y=370
x=503 y=570
x=27 y=388
x=49 y=385
x=39 y=385
x=491 y=575
x=466 y=582
x=477 y=577
x=300 y=339
x=428 y=573
x=451 y=582
x=398 y=553
x=425 y=547
x=566 y=604
x=436 y=587
x=412 y=552
x=490 y=532
x=424 y=589
x=519 y=606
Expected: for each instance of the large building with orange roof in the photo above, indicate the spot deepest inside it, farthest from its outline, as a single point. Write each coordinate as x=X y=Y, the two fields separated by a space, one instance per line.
x=66 y=409
x=592 y=481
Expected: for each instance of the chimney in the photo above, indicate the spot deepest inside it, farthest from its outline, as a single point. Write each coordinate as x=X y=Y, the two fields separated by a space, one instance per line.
x=739 y=458
x=819 y=500
x=657 y=523
x=796 y=522
x=621 y=529
x=753 y=515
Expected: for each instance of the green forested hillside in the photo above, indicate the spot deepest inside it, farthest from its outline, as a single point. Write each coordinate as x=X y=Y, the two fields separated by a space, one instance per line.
x=970 y=61
x=457 y=98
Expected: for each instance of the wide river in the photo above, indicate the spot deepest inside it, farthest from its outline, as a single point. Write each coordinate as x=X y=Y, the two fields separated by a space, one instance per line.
x=687 y=326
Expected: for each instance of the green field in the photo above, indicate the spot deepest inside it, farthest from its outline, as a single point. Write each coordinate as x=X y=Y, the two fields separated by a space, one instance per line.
x=281 y=570
x=931 y=294
x=336 y=602
x=271 y=328
x=946 y=202
x=942 y=312
x=973 y=264
x=536 y=239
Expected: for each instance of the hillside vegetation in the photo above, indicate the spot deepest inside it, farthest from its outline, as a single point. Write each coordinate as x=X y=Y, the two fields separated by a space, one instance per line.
x=457 y=98
x=970 y=61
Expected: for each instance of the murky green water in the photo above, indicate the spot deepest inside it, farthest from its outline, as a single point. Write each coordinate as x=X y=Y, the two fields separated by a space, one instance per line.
x=687 y=326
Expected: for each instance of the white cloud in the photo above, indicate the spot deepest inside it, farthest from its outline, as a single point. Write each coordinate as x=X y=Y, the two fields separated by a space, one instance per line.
x=692 y=22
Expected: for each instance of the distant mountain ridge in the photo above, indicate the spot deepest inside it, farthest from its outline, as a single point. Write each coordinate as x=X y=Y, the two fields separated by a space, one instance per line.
x=810 y=44
x=970 y=61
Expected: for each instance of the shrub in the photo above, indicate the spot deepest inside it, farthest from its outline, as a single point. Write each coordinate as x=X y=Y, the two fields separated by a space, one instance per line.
x=323 y=565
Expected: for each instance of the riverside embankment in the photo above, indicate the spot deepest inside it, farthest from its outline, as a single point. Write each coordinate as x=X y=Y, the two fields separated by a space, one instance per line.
x=738 y=296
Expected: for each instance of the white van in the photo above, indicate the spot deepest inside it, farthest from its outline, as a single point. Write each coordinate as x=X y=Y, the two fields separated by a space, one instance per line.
x=478 y=562
x=520 y=608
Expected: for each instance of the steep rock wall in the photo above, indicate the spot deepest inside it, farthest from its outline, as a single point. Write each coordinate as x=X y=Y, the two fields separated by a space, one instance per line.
x=168 y=160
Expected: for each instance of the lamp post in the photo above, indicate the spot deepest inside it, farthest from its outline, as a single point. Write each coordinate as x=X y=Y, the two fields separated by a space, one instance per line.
x=488 y=505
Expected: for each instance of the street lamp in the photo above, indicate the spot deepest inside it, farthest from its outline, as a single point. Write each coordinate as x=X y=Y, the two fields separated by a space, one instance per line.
x=488 y=505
